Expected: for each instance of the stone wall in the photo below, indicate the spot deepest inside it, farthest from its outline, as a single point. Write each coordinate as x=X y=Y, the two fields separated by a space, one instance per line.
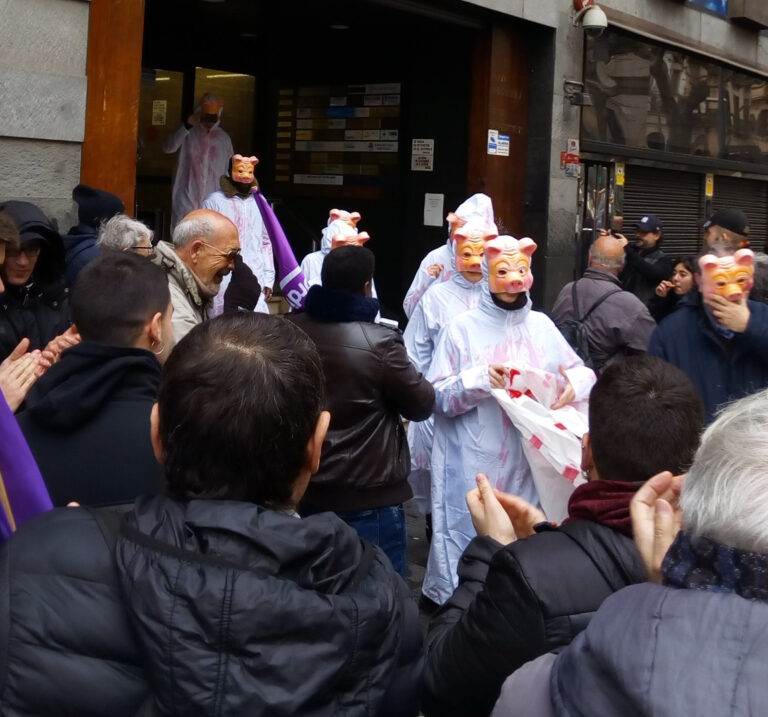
x=43 y=49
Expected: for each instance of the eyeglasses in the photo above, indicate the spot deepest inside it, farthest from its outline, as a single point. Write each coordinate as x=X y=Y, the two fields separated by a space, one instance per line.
x=229 y=255
x=29 y=251
x=150 y=250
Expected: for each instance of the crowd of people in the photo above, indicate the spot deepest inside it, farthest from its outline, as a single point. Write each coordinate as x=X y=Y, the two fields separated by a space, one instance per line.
x=229 y=533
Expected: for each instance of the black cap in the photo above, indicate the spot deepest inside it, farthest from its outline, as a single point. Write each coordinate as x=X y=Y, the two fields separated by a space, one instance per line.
x=649 y=223
x=95 y=206
x=733 y=220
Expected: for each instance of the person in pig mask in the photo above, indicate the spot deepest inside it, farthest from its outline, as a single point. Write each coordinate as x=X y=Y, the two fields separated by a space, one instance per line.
x=437 y=265
x=442 y=302
x=474 y=355
x=719 y=337
x=235 y=201
x=341 y=230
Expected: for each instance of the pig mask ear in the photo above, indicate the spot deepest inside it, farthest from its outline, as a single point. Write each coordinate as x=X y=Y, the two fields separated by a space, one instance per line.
x=708 y=262
x=491 y=252
x=526 y=246
x=354 y=217
x=744 y=257
x=335 y=214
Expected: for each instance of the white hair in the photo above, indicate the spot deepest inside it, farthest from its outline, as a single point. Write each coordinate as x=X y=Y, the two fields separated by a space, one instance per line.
x=725 y=495
x=121 y=233
x=187 y=230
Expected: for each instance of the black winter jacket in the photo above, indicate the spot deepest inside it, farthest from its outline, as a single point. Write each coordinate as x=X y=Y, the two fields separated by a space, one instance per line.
x=208 y=608
x=370 y=383
x=644 y=270
x=517 y=602
x=38 y=311
x=87 y=423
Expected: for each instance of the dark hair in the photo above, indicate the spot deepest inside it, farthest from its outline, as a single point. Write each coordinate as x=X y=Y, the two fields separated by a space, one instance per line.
x=239 y=400
x=347 y=269
x=645 y=417
x=689 y=261
x=9 y=234
x=115 y=295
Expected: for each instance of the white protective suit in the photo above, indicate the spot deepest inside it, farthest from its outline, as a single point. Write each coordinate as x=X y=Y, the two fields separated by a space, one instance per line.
x=472 y=434
x=312 y=263
x=479 y=206
x=441 y=303
x=203 y=157
x=255 y=245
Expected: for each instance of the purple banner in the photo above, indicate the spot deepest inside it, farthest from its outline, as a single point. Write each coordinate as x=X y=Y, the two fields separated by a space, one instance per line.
x=292 y=282
x=23 y=494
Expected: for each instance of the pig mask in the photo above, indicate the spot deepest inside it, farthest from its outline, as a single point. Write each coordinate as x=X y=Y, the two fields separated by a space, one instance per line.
x=343 y=229
x=468 y=246
x=509 y=265
x=242 y=169
x=729 y=276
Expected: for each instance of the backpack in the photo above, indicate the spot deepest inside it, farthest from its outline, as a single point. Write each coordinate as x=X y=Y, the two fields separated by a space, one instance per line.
x=575 y=330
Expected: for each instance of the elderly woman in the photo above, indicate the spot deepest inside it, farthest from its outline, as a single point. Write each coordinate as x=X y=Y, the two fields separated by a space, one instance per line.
x=694 y=645
x=121 y=233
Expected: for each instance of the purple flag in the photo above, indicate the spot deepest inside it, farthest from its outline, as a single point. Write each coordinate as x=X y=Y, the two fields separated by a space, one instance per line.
x=23 y=494
x=292 y=282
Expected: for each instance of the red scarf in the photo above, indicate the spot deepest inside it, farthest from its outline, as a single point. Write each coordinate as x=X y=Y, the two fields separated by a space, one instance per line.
x=605 y=502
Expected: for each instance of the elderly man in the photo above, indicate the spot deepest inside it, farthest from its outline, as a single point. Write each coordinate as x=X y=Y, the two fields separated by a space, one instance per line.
x=694 y=645
x=617 y=322
x=205 y=244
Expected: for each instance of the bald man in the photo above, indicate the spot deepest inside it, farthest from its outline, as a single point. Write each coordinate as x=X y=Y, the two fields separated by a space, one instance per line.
x=205 y=244
x=618 y=323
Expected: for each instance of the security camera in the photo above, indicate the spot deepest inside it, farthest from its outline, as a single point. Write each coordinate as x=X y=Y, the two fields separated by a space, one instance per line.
x=594 y=21
x=591 y=17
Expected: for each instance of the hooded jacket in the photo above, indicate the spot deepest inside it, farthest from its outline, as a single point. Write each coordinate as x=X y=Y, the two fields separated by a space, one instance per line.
x=203 y=156
x=472 y=434
x=203 y=608
x=87 y=423
x=38 y=311
x=80 y=248
x=370 y=383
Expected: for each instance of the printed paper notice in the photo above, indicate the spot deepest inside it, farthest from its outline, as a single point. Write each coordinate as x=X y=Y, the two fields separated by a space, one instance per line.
x=503 y=145
x=422 y=158
x=159 y=111
x=433 y=209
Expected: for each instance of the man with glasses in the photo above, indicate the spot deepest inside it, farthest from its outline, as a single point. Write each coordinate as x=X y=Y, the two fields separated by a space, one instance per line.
x=35 y=304
x=205 y=244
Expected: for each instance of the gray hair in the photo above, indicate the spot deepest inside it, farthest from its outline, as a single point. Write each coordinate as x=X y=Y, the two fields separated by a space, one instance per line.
x=187 y=230
x=725 y=496
x=596 y=258
x=122 y=232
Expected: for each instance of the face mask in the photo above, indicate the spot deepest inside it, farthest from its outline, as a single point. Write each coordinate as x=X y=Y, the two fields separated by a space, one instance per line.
x=242 y=169
x=509 y=265
x=469 y=244
x=728 y=276
x=345 y=233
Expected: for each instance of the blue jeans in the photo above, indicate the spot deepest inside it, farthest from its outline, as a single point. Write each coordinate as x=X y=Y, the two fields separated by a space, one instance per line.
x=384 y=527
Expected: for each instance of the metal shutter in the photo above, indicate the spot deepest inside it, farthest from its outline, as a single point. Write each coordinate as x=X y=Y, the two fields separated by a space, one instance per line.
x=749 y=195
x=676 y=197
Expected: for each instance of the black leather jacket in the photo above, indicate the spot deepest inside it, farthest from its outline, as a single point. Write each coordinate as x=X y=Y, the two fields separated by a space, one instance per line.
x=515 y=603
x=370 y=383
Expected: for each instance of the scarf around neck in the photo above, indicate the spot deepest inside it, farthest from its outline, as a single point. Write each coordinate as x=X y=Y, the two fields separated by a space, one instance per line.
x=703 y=564
x=605 y=502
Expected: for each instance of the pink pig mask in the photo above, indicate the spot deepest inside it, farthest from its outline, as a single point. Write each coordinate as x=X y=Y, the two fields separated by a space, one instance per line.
x=730 y=276
x=509 y=265
x=469 y=244
x=343 y=229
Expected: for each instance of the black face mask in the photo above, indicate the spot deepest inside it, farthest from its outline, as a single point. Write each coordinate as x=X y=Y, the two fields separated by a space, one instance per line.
x=516 y=305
